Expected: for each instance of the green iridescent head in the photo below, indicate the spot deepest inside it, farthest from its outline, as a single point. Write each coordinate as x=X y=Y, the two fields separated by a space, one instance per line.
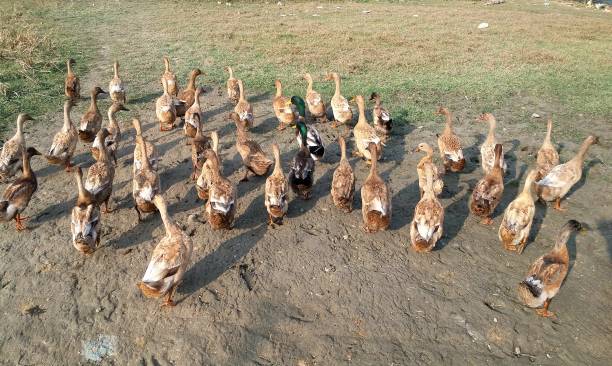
x=300 y=105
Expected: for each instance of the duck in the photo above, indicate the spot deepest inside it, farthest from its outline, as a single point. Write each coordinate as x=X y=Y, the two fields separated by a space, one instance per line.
x=65 y=141
x=233 y=91
x=313 y=138
x=428 y=221
x=340 y=105
x=91 y=121
x=546 y=275
x=547 y=157
x=203 y=182
x=101 y=174
x=114 y=137
x=487 y=150
x=427 y=161
x=518 y=217
x=72 y=85
x=165 y=109
x=116 y=89
x=169 y=260
x=187 y=96
x=193 y=116
x=253 y=157
x=381 y=117
x=145 y=183
x=450 y=144
x=168 y=79
x=316 y=106
x=488 y=191
x=343 y=181
x=11 y=155
x=243 y=108
x=17 y=195
x=85 y=219
x=555 y=185
x=375 y=198
x=283 y=109
x=221 y=205
x=301 y=175
x=151 y=150
x=199 y=144
x=276 y=191
x=365 y=134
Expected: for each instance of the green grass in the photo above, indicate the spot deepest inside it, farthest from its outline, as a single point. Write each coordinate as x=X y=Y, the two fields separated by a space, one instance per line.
x=530 y=55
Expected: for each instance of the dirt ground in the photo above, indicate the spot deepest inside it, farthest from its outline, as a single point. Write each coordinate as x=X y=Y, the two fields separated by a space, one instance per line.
x=323 y=291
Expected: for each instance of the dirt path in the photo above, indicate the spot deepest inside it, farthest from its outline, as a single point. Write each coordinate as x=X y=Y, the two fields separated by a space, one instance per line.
x=323 y=292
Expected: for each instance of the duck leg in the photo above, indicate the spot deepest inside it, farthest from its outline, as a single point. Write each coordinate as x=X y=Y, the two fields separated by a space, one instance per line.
x=106 y=209
x=19 y=222
x=558 y=205
x=68 y=166
x=138 y=212
x=281 y=126
x=543 y=312
x=168 y=300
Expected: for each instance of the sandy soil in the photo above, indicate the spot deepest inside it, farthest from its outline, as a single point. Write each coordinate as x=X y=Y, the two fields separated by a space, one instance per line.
x=323 y=292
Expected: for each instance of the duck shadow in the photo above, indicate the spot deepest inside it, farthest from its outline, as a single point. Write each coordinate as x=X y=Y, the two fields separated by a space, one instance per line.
x=605 y=228
x=455 y=215
x=224 y=257
x=141 y=232
x=511 y=161
x=472 y=154
x=404 y=201
x=142 y=99
x=56 y=211
x=267 y=125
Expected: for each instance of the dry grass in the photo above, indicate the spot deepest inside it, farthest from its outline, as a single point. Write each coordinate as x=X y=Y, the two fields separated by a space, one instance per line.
x=416 y=55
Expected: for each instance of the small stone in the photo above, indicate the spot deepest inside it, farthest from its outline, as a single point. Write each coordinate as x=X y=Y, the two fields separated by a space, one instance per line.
x=345 y=237
x=483 y=25
x=517 y=350
x=365 y=11
x=535 y=115
x=494 y=320
x=548 y=356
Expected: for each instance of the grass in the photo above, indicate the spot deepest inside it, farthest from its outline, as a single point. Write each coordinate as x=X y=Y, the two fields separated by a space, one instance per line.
x=417 y=56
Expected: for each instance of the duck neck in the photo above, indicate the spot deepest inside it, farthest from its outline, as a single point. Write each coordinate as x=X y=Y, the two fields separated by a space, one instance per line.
x=279 y=89
x=428 y=191
x=337 y=82
x=528 y=187
x=112 y=121
x=277 y=160
x=497 y=168
x=231 y=72
x=361 y=107
x=19 y=131
x=143 y=152
x=116 y=69
x=169 y=223
x=241 y=89
x=309 y=81
x=448 y=129
x=215 y=141
x=27 y=169
x=374 y=166
x=94 y=101
x=67 y=121
x=491 y=134
x=342 y=149
x=192 y=81
x=166 y=64
x=137 y=126
x=196 y=101
x=547 y=139
x=165 y=86
x=69 y=67
x=584 y=148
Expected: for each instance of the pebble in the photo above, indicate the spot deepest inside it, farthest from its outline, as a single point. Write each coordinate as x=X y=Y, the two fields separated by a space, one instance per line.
x=535 y=115
x=517 y=350
x=483 y=25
